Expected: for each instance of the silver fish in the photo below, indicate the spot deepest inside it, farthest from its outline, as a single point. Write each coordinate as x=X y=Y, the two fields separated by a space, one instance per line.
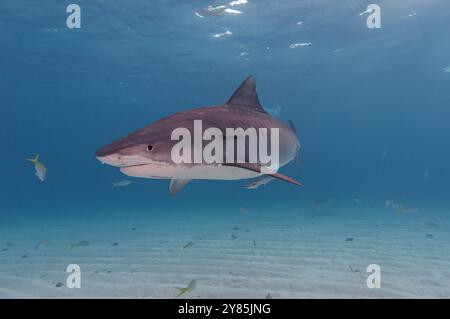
x=122 y=183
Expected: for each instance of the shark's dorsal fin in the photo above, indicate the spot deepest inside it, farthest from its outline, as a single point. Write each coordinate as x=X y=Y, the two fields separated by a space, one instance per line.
x=246 y=96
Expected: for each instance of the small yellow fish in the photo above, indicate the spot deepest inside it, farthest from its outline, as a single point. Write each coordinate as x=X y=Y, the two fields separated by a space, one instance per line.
x=399 y=209
x=403 y=209
x=188 y=245
x=188 y=288
x=41 y=170
x=44 y=242
x=82 y=243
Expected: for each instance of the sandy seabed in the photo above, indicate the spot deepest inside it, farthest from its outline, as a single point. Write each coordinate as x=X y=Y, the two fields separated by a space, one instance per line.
x=250 y=254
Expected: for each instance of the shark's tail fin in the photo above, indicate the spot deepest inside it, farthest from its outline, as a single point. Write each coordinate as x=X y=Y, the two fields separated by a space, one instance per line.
x=34 y=160
x=297 y=161
x=297 y=155
x=71 y=245
x=292 y=126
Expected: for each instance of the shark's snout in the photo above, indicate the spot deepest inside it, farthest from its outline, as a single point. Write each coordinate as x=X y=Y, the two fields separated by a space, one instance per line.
x=111 y=155
x=104 y=151
x=121 y=158
x=112 y=159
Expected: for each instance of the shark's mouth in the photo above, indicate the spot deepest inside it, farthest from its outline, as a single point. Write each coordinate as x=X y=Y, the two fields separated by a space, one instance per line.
x=149 y=170
x=155 y=163
x=135 y=165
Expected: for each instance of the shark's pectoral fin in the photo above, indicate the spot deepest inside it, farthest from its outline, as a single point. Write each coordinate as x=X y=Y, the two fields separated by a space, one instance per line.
x=177 y=184
x=257 y=168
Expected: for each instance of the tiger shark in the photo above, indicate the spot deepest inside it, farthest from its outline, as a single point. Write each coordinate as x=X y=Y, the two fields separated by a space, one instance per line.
x=147 y=153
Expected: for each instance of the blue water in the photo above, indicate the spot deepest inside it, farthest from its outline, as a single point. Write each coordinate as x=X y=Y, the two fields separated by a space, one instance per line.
x=370 y=105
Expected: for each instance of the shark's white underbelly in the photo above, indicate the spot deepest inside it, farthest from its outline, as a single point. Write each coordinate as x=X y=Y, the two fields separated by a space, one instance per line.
x=195 y=172
x=164 y=171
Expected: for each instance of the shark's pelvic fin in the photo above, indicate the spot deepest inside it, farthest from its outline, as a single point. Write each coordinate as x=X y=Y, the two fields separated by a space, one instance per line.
x=246 y=96
x=177 y=184
x=257 y=168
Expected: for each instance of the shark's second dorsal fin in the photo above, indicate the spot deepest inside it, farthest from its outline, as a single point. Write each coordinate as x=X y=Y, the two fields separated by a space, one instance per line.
x=246 y=96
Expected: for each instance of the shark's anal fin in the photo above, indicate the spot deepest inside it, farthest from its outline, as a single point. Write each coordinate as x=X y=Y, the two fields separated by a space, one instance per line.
x=176 y=185
x=257 y=168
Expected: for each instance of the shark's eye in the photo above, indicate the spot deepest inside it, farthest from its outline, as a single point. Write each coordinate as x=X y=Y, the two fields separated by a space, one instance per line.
x=149 y=148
